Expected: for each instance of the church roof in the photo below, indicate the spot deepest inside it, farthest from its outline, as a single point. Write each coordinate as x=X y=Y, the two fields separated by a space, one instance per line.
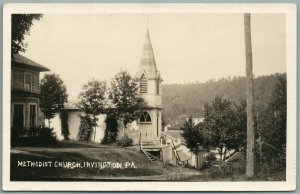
x=147 y=64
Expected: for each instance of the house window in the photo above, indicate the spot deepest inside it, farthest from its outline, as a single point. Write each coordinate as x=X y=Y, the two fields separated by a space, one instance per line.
x=143 y=85
x=18 y=116
x=28 y=82
x=145 y=117
x=32 y=116
x=157 y=87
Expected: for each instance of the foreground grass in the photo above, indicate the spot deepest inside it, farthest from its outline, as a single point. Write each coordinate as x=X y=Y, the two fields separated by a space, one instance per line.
x=131 y=163
x=134 y=166
x=235 y=171
x=208 y=175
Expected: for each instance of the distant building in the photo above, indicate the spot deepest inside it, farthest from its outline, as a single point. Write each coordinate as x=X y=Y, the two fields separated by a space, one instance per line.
x=25 y=91
x=180 y=152
x=196 y=120
x=172 y=128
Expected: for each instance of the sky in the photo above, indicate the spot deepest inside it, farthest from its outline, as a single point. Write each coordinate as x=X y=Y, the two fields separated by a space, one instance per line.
x=187 y=47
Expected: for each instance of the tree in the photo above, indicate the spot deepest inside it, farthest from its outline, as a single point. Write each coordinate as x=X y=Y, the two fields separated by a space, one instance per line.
x=53 y=95
x=220 y=121
x=163 y=122
x=124 y=93
x=181 y=120
x=111 y=130
x=250 y=97
x=85 y=128
x=193 y=135
x=64 y=124
x=92 y=100
x=20 y=26
x=279 y=106
x=273 y=121
x=241 y=123
x=176 y=95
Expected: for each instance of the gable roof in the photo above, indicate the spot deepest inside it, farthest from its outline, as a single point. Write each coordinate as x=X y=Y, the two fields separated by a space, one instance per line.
x=21 y=61
x=74 y=105
x=71 y=105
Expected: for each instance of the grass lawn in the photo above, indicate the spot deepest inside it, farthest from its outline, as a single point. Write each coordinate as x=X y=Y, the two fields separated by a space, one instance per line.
x=125 y=163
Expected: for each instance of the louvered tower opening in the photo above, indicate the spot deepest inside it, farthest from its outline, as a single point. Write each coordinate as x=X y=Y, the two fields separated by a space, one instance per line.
x=143 y=85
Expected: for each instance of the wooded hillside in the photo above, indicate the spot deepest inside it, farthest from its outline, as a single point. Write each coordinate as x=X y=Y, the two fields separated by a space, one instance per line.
x=189 y=99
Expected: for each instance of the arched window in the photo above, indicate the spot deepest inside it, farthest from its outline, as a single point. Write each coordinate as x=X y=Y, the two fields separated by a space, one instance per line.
x=145 y=117
x=143 y=84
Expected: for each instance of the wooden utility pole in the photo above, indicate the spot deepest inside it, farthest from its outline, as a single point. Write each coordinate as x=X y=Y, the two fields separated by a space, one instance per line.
x=250 y=97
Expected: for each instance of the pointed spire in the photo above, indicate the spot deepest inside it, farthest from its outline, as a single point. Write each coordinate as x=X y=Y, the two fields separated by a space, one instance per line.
x=147 y=63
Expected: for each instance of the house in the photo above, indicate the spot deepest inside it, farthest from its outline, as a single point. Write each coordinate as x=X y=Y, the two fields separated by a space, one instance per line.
x=25 y=90
x=196 y=121
x=181 y=153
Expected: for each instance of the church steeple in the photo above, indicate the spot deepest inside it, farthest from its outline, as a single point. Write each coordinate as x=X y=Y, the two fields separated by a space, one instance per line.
x=147 y=63
x=150 y=90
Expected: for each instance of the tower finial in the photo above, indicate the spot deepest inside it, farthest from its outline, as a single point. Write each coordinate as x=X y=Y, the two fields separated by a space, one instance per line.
x=147 y=22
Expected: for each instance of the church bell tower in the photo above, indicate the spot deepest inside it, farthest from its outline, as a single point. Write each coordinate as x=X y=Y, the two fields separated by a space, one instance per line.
x=150 y=122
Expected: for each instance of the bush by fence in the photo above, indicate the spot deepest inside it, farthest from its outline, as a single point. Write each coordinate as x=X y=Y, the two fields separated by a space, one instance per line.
x=85 y=128
x=36 y=136
x=125 y=141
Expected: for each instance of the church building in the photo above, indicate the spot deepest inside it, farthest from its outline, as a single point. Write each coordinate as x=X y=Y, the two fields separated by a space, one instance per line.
x=150 y=122
x=148 y=127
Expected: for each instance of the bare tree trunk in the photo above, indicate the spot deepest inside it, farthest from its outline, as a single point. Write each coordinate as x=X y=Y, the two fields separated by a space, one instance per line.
x=125 y=128
x=49 y=123
x=95 y=123
x=250 y=100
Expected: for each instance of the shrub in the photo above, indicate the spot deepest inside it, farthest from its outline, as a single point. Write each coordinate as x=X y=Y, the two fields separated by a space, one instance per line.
x=125 y=141
x=85 y=128
x=64 y=124
x=111 y=130
x=33 y=137
x=269 y=166
x=210 y=158
x=108 y=138
x=223 y=171
x=15 y=134
x=46 y=136
x=272 y=161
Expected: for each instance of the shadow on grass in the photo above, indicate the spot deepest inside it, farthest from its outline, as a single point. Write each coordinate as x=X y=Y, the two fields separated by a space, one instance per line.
x=29 y=142
x=73 y=144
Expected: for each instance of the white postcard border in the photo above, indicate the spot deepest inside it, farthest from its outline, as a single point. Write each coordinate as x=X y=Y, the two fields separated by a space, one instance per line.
x=291 y=40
